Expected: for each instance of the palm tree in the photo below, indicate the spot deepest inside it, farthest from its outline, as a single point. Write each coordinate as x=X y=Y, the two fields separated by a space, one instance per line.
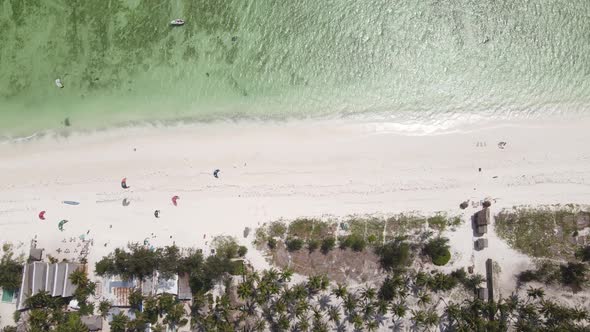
x=340 y=291
x=357 y=321
x=372 y=325
x=119 y=323
x=368 y=294
x=72 y=324
x=431 y=318
x=350 y=303
x=418 y=317
x=424 y=298
x=175 y=317
x=104 y=307
x=398 y=311
x=535 y=293
x=303 y=324
x=283 y=323
x=79 y=277
x=301 y=308
x=286 y=275
x=334 y=314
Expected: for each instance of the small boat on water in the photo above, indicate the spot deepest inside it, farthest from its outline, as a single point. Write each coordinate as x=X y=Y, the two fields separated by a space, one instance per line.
x=177 y=22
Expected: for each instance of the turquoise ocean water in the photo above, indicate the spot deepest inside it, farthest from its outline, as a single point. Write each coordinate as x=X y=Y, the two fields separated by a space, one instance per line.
x=384 y=60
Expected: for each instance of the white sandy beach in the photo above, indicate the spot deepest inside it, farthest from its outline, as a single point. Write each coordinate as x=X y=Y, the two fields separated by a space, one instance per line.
x=272 y=171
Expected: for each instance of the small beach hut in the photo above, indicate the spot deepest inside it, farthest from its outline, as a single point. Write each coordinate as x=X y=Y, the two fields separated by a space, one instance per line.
x=481 y=244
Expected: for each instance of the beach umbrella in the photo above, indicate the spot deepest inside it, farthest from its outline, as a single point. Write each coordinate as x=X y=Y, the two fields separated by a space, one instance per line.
x=61 y=224
x=124 y=184
x=174 y=199
x=42 y=215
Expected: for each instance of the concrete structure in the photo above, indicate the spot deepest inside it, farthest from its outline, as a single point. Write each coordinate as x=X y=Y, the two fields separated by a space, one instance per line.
x=93 y=323
x=51 y=278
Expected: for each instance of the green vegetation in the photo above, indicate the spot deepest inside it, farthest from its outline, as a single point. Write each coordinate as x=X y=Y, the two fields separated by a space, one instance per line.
x=395 y=255
x=583 y=254
x=440 y=222
x=354 y=242
x=84 y=289
x=573 y=274
x=140 y=262
x=277 y=229
x=11 y=270
x=525 y=228
x=272 y=243
x=328 y=244
x=294 y=244
x=312 y=245
x=438 y=250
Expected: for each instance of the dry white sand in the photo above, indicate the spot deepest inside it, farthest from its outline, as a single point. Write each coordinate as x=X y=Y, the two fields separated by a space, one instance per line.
x=271 y=171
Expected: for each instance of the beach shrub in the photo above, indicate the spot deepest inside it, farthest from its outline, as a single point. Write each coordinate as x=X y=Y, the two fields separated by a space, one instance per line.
x=226 y=246
x=10 y=270
x=574 y=275
x=371 y=238
x=313 y=245
x=242 y=251
x=272 y=243
x=394 y=255
x=327 y=245
x=583 y=254
x=438 y=250
x=294 y=244
x=277 y=229
x=354 y=242
x=9 y=328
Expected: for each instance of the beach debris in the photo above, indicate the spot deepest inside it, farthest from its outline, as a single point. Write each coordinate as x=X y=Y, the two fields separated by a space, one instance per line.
x=124 y=184
x=42 y=215
x=67 y=122
x=61 y=224
x=177 y=22
x=216 y=173
x=174 y=199
x=494 y=177
x=59 y=83
x=464 y=205
x=157 y=213
x=502 y=145
x=486 y=40
x=125 y=202
x=71 y=202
